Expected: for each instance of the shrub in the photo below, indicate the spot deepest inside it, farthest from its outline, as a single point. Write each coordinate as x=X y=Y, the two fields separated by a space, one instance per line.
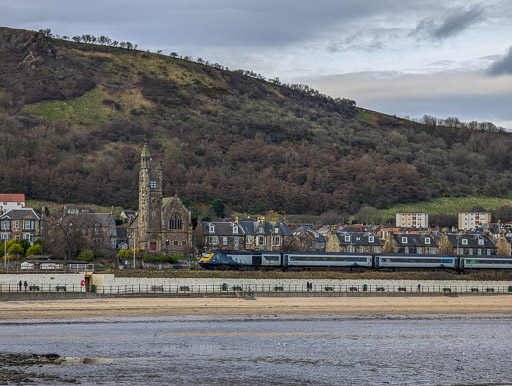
x=35 y=249
x=149 y=258
x=86 y=255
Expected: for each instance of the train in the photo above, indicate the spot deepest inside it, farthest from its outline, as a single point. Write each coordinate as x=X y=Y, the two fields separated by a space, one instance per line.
x=289 y=260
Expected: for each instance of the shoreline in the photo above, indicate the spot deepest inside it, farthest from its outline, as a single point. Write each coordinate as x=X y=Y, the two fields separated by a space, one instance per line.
x=154 y=307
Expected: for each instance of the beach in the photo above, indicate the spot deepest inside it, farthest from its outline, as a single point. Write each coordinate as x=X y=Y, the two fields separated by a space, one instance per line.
x=140 y=307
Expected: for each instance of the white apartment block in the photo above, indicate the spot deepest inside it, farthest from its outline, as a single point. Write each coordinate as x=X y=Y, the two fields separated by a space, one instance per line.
x=472 y=220
x=9 y=202
x=412 y=220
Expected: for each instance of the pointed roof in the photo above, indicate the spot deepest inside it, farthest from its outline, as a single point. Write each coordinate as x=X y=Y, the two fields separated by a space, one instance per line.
x=145 y=151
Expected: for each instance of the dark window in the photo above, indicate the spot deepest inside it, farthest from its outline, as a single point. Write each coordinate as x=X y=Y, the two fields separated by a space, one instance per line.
x=175 y=222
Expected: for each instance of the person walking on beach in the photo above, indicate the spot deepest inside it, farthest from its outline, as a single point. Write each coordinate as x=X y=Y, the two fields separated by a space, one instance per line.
x=419 y=288
x=20 y=284
x=25 y=284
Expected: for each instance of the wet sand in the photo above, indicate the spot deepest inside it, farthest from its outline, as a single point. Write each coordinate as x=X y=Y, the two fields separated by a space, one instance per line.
x=139 y=307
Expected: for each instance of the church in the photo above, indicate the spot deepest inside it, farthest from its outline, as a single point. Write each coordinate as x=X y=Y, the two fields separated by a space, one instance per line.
x=163 y=224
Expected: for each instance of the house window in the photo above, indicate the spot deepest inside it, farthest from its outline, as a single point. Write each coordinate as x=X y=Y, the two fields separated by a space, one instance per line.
x=347 y=238
x=235 y=229
x=406 y=250
x=235 y=240
x=276 y=230
x=480 y=241
x=152 y=184
x=224 y=241
x=176 y=242
x=418 y=250
x=427 y=240
x=361 y=249
x=5 y=225
x=276 y=241
x=97 y=229
x=26 y=224
x=464 y=241
x=371 y=239
x=432 y=250
x=167 y=242
x=260 y=240
x=470 y=251
x=214 y=240
x=175 y=222
x=350 y=248
x=404 y=240
x=461 y=251
x=260 y=230
x=184 y=242
x=16 y=237
x=488 y=252
x=5 y=236
x=16 y=224
x=248 y=240
x=479 y=251
x=211 y=228
x=26 y=236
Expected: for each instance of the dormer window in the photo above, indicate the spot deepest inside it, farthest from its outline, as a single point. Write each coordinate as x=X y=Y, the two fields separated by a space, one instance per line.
x=347 y=238
x=260 y=230
x=427 y=240
x=152 y=184
x=276 y=230
x=235 y=229
x=480 y=241
x=404 y=240
x=464 y=241
x=371 y=239
x=211 y=228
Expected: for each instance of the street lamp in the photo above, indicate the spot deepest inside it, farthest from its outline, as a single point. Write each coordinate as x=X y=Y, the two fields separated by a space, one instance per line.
x=133 y=246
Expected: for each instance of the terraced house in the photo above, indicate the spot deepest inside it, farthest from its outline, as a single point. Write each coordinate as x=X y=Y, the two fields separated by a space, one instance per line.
x=353 y=242
x=246 y=234
x=412 y=243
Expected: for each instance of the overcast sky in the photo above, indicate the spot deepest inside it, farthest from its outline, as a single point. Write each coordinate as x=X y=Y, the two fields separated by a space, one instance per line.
x=404 y=57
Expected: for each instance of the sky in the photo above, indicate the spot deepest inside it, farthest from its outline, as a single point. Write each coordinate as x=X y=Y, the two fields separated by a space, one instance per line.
x=407 y=58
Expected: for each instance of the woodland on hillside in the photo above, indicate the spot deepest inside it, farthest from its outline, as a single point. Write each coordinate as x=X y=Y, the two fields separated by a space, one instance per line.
x=67 y=136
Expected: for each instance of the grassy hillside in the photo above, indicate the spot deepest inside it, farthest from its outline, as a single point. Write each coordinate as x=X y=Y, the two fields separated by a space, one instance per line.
x=73 y=118
x=448 y=205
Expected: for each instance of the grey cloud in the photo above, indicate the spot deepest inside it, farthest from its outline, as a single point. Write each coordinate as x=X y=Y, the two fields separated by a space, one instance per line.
x=453 y=23
x=502 y=65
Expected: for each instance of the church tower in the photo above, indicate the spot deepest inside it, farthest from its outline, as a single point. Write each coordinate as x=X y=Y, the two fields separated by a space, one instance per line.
x=150 y=203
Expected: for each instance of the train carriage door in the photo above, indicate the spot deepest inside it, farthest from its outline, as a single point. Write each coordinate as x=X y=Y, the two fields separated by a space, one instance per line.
x=256 y=260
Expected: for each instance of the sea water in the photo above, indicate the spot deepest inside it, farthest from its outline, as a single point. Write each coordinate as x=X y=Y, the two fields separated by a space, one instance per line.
x=227 y=350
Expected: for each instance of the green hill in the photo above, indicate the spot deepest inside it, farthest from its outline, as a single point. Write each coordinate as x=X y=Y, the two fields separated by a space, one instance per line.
x=73 y=118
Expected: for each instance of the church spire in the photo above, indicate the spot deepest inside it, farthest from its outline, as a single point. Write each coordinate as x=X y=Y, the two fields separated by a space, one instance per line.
x=145 y=151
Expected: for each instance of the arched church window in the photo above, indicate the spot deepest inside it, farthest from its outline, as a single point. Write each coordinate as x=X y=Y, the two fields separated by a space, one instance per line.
x=175 y=222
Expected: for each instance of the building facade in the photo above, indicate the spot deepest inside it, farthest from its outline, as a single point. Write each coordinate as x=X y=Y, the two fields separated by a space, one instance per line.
x=412 y=220
x=473 y=220
x=162 y=225
x=11 y=201
x=22 y=224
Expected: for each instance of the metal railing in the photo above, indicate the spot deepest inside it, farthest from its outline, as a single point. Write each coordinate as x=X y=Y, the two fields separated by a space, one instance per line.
x=259 y=288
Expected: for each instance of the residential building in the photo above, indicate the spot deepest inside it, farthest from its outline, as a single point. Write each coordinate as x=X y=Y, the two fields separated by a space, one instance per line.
x=223 y=235
x=307 y=239
x=473 y=220
x=163 y=224
x=265 y=235
x=353 y=242
x=412 y=243
x=412 y=220
x=82 y=228
x=11 y=201
x=466 y=243
x=22 y=224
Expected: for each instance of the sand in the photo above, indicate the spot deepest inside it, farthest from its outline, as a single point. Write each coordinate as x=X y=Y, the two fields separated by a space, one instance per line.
x=139 y=307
